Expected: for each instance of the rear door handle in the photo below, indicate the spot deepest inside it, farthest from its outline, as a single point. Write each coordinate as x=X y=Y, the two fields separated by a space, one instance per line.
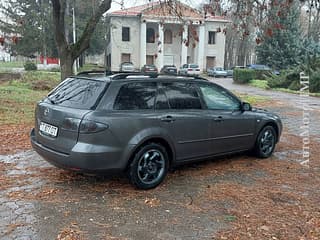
x=167 y=119
x=218 y=119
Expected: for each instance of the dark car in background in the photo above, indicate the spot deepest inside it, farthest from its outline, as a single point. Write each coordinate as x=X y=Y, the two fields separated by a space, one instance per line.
x=169 y=70
x=259 y=67
x=149 y=69
x=144 y=125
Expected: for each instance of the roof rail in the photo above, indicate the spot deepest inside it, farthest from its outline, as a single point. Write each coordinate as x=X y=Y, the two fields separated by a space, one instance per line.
x=128 y=74
x=92 y=72
x=200 y=78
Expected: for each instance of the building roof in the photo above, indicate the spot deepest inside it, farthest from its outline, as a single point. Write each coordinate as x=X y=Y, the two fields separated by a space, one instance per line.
x=161 y=9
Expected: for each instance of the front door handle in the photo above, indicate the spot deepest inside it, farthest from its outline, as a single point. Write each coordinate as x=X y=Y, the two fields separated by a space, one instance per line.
x=218 y=119
x=167 y=119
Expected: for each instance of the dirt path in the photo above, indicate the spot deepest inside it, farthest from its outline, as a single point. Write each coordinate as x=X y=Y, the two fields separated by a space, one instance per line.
x=237 y=197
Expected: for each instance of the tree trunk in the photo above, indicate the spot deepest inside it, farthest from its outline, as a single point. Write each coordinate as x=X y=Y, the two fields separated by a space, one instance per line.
x=66 y=64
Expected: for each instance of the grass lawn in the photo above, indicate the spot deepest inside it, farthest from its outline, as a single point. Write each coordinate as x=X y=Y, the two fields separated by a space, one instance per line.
x=18 y=97
x=252 y=99
x=259 y=83
x=90 y=67
x=263 y=84
x=14 y=64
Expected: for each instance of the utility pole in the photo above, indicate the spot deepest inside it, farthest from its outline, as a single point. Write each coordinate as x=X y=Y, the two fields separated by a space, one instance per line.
x=74 y=38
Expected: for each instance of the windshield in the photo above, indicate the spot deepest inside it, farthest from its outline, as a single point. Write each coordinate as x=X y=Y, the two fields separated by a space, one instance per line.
x=77 y=93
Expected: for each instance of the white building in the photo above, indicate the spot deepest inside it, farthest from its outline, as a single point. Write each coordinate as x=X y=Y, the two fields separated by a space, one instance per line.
x=159 y=34
x=4 y=55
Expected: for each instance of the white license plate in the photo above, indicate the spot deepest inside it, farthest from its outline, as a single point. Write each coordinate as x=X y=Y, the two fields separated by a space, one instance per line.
x=48 y=129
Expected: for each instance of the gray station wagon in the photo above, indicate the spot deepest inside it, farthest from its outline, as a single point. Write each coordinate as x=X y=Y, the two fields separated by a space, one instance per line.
x=143 y=125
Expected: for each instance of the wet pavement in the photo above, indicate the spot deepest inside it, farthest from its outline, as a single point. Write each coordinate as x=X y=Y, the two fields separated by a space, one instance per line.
x=39 y=201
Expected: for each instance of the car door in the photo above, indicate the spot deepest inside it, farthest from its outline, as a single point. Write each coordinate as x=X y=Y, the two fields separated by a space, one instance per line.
x=181 y=115
x=231 y=128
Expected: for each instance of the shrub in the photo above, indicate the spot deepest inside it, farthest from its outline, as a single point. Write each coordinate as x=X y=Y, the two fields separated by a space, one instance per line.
x=262 y=74
x=30 y=66
x=315 y=82
x=243 y=75
x=289 y=79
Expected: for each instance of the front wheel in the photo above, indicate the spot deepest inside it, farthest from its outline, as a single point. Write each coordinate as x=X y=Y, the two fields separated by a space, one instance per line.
x=149 y=166
x=265 y=143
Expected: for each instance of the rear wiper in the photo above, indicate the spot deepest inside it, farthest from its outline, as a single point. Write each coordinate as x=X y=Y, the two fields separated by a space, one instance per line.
x=52 y=101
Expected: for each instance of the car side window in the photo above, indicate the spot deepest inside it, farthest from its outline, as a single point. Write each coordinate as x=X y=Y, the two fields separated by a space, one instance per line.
x=136 y=96
x=182 y=96
x=218 y=98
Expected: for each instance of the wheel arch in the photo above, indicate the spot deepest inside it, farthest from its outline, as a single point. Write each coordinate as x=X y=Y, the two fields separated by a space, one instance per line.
x=274 y=125
x=159 y=140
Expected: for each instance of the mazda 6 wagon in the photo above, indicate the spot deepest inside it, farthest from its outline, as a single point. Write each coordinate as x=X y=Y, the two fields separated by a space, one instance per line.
x=143 y=125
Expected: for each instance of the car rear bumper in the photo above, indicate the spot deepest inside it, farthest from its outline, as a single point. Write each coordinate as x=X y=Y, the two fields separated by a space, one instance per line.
x=96 y=159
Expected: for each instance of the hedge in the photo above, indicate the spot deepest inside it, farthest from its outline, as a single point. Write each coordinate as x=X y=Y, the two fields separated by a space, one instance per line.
x=243 y=76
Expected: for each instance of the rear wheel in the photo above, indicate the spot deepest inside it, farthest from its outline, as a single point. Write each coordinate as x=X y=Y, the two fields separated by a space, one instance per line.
x=149 y=166
x=266 y=142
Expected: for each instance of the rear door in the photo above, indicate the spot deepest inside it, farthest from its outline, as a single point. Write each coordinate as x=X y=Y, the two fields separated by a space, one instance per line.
x=58 y=117
x=181 y=114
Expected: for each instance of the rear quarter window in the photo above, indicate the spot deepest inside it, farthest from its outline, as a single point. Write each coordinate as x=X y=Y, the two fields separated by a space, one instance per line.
x=78 y=93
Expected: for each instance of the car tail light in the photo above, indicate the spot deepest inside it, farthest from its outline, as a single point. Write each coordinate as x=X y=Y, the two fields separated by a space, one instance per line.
x=198 y=69
x=71 y=124
x=190 y=69
x=87 y=126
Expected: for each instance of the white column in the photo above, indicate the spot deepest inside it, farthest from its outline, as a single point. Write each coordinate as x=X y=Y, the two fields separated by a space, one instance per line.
x=143 y=44
x=202 y=36
x=184 y=48
x=160 y=47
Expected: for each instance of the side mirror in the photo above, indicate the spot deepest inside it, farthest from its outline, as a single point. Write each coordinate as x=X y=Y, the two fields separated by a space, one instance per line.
x=246 y=106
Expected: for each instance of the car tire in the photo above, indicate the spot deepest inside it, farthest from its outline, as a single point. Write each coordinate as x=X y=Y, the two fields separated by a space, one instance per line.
x=149 y=166
x=266 y=142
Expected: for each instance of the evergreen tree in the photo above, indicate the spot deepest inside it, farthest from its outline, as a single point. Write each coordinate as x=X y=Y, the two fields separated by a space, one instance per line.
x=281 y=36
x=27 y=25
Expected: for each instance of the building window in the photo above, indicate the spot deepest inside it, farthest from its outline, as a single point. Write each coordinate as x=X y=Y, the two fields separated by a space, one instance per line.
x=125 y=57
x=125 y=34
x=150 y=35
x=168 y=36
x=212 y=37
x=150 y=59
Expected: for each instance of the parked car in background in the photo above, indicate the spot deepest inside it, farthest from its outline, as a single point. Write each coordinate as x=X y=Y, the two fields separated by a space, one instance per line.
x=230 y=71
x=217 y=72
x=144 y=125
x=259 y=67
x=127 y=67
x=149 y=69
x=190 y=70
x=169 y=70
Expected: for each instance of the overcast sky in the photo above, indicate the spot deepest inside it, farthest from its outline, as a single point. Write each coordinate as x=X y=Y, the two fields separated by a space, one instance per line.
x=116 y=4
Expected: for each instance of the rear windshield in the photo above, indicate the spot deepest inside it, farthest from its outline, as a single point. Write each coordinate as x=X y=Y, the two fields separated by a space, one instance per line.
x=77 y=93
x=194 y=66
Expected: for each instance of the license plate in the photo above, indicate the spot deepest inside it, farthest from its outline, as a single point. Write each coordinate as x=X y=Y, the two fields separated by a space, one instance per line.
x=48 y=129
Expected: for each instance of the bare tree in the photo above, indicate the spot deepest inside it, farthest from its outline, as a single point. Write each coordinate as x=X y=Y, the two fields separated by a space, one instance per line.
x=68 y=52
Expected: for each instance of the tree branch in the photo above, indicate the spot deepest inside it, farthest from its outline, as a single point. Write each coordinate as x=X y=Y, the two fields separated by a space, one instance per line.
x=83 y=43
